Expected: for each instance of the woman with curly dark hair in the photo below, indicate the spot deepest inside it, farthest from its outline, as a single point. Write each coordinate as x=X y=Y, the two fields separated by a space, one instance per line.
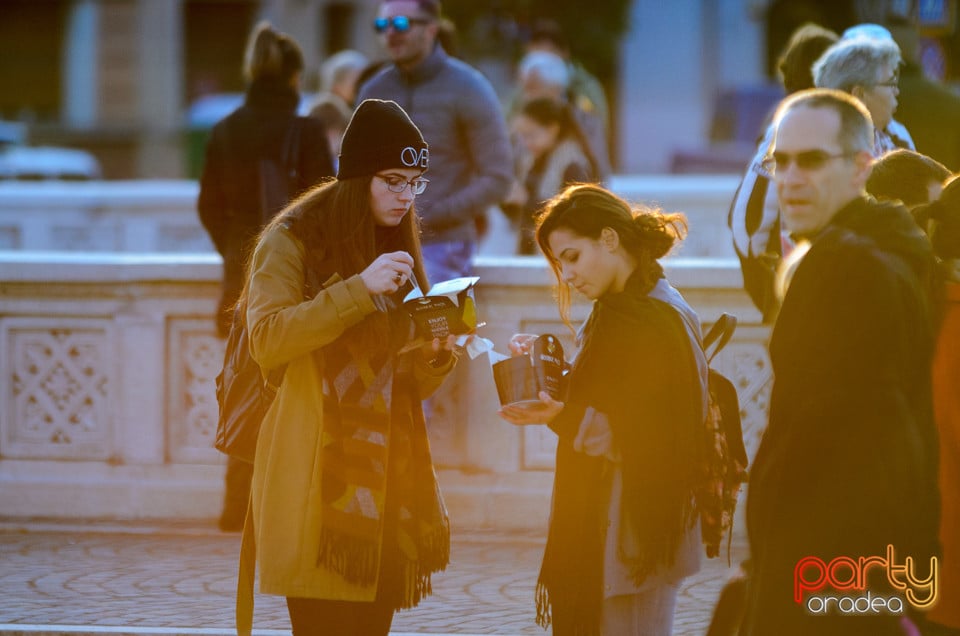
x=623 y=526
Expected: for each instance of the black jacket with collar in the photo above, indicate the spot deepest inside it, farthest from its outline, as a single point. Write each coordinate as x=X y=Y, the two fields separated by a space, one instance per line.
x=848 y=462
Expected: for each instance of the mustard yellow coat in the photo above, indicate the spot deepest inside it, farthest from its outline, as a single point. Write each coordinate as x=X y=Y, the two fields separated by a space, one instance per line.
x=283 y=524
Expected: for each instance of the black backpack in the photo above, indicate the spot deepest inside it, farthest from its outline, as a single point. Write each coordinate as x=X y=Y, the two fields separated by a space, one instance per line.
x=724 y=464
x=279 y=179
x=243 y=394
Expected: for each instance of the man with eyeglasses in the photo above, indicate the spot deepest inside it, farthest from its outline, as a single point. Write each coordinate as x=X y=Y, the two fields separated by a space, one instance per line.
x=471 y=166
x=847 y=464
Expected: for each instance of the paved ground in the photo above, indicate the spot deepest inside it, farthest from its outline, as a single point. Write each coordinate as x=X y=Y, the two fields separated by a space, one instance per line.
x=172 y=578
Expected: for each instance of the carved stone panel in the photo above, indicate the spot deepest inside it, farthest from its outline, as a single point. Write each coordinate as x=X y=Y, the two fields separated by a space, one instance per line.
x=56 y=379
x=196 y=357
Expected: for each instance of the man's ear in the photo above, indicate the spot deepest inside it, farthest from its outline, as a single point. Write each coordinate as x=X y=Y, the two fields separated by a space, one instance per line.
x=609 y=239
x=863 y=160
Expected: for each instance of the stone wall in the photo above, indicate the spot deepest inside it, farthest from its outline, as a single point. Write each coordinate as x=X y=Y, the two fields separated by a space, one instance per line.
x=161 y=216
x=107 y=367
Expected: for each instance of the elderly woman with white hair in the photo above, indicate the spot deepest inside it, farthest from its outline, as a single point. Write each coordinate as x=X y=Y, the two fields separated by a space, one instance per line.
x=867 y=67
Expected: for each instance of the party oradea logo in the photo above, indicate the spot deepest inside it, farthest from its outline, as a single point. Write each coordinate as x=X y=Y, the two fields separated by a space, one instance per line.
x=841 y=585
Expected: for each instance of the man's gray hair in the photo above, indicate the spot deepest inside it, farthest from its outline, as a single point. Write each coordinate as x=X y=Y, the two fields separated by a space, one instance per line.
x=855 y=62
x=856 y=127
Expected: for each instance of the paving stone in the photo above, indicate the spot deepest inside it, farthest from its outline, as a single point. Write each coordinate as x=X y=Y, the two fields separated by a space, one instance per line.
x=184 y=578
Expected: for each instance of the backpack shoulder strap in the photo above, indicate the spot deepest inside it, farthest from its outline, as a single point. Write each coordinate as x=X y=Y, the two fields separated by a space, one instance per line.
x=290 y=156
x=719 y=335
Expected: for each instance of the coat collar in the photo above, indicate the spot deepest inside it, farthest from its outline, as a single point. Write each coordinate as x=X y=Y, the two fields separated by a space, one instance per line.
x=427 y=69
x=272 y=95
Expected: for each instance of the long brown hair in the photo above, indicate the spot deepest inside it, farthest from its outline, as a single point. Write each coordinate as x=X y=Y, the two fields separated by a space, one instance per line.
x=334 y=221
x=647 y=234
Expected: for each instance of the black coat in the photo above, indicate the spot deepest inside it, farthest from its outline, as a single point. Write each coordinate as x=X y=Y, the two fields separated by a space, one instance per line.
x=229 y=202
x=637 y=367
x=848 y=462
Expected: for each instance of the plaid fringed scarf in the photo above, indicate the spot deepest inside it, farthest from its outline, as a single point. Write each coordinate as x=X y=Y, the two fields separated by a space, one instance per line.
x=375 y=448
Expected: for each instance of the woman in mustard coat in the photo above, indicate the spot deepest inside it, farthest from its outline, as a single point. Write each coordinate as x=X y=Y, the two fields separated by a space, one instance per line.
x=346 y=519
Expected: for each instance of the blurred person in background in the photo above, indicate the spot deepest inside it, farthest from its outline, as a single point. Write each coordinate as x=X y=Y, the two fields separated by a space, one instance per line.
x=542 y=74
x=754 y=216
x=907 y=176
x=586 y=90
x=339 y=75
x=459 y=113
x=928 y=108
x=230 y=205
x=867 y=65
x=556 y=154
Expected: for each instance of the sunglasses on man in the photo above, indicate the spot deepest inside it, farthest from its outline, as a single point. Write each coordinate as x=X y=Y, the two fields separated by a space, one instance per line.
x=400 y=23
x=807 y=160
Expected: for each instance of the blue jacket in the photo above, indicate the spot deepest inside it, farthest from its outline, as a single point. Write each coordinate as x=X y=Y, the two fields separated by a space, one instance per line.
x=458 y=113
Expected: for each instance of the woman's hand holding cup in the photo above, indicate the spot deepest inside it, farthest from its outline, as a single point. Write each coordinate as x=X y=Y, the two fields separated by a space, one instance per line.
x=521 y=344
x=541 y=413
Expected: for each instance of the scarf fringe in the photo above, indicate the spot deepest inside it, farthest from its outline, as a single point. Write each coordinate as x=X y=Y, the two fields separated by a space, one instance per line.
x=417 y=574
x=544 y=613
x=356 y=560
x=417 y=585
x=545 y=616
x=435 y=549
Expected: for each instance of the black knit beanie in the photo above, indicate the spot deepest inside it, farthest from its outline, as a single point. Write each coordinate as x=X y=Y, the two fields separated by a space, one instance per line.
x=379 y=136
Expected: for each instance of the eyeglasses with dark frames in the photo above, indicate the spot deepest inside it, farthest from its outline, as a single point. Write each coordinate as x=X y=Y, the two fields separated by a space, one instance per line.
x=398 y=184
x=806 y=160
x=400 y=23
x=893 y=82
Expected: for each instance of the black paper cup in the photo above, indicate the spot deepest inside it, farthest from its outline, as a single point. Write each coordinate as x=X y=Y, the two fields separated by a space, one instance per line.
x=520 y=379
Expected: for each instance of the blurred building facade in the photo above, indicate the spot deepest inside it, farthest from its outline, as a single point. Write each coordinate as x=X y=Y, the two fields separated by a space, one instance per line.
x=116 y=77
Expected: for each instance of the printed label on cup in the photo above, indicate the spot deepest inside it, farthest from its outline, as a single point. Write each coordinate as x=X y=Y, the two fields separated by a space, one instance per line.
x=520 y=379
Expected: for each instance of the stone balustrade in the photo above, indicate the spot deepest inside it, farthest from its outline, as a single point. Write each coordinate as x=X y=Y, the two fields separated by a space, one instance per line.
x=107 y=367
x=161 y=216
x=101 y=216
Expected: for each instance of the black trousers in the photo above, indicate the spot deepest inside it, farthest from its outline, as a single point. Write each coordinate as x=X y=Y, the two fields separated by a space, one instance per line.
x=321 y=617
x=318 y=617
